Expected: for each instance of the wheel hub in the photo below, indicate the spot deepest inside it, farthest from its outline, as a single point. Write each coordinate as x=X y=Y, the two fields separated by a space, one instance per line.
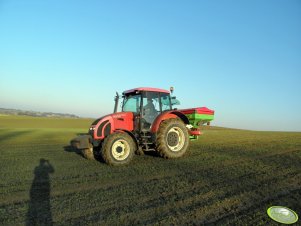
x=120 y=150
x=175 y=139
x=172 y=139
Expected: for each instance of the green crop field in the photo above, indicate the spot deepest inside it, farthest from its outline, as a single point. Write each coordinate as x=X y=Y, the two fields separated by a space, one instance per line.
x=228 y=177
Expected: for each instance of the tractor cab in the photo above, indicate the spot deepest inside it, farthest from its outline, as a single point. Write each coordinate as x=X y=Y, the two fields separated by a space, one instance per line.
x=146 y=104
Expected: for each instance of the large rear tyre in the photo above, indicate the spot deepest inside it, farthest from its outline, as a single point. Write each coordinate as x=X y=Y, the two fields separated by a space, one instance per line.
x=172 y=139
x=118 y=149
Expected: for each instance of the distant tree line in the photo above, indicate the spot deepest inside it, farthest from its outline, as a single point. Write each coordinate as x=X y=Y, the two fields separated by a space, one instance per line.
x=35 y=113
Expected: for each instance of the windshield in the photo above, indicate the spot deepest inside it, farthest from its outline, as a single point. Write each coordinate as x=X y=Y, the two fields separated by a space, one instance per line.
x=132 y=103
x=165 y=100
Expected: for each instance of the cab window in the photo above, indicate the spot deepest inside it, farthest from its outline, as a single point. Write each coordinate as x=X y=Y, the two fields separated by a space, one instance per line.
x=165 y=101
x=132 y=103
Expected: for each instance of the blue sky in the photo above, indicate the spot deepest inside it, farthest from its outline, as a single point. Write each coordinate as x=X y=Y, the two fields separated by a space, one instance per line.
x=240 y=58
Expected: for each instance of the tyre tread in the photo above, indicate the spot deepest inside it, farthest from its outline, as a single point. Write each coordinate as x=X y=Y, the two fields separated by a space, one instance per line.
x=162 y=147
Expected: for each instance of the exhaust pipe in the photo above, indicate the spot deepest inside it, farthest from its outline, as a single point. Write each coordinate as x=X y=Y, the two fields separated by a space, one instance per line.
x=116 y=99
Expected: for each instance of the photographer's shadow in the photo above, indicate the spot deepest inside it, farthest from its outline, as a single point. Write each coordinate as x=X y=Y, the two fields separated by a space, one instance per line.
x=39 y=210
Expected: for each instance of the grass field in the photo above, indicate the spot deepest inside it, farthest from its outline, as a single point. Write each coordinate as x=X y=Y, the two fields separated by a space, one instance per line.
x=228 y=177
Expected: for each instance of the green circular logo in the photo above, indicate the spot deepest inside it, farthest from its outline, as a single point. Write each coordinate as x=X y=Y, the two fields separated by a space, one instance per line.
x=282 y=214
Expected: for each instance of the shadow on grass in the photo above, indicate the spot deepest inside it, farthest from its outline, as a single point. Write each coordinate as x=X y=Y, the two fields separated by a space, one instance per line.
x=81 y=134
x=154 y=154
x=39 y=210
x=12 y=135
x=96 y=152
x=71 y=149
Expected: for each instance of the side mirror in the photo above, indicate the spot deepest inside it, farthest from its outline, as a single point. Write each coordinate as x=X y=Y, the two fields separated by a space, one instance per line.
x=174 y=101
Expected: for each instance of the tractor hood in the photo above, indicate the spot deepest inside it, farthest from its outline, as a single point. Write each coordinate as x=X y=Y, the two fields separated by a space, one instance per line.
x=107 y=124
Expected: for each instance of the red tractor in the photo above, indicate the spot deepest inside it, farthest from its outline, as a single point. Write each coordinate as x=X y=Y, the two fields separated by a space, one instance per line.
x=147 y=122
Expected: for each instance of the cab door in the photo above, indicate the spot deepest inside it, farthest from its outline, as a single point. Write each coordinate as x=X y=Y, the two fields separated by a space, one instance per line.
x=132 y=103
x=151 y=108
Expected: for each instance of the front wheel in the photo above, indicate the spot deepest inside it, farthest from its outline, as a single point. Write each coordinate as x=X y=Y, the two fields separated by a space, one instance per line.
x=172 y=138
x=118 y=149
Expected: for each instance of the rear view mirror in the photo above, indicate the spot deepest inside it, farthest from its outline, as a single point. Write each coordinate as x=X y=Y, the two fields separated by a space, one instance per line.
x=174 y=101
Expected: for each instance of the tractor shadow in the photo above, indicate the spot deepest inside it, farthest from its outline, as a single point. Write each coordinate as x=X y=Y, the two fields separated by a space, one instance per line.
x=98 y=157
x=96 y=153
x=71 y=149
x=153 y=154
x=81 y=134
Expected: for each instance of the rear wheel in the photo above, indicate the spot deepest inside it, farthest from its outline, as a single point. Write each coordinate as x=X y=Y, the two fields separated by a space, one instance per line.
x=118 y=149
x=172 y=139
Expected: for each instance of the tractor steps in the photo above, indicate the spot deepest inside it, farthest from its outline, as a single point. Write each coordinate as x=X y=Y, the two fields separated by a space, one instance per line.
x=146 y=141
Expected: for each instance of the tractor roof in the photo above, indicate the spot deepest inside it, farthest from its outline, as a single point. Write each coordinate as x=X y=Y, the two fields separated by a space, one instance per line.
x=149 y=89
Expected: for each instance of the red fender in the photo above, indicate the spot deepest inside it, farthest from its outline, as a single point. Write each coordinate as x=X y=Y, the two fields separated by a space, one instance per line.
x=165 y=116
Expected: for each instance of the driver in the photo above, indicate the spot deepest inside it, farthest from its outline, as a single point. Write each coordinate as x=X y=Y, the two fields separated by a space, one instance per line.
x=149 y=111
